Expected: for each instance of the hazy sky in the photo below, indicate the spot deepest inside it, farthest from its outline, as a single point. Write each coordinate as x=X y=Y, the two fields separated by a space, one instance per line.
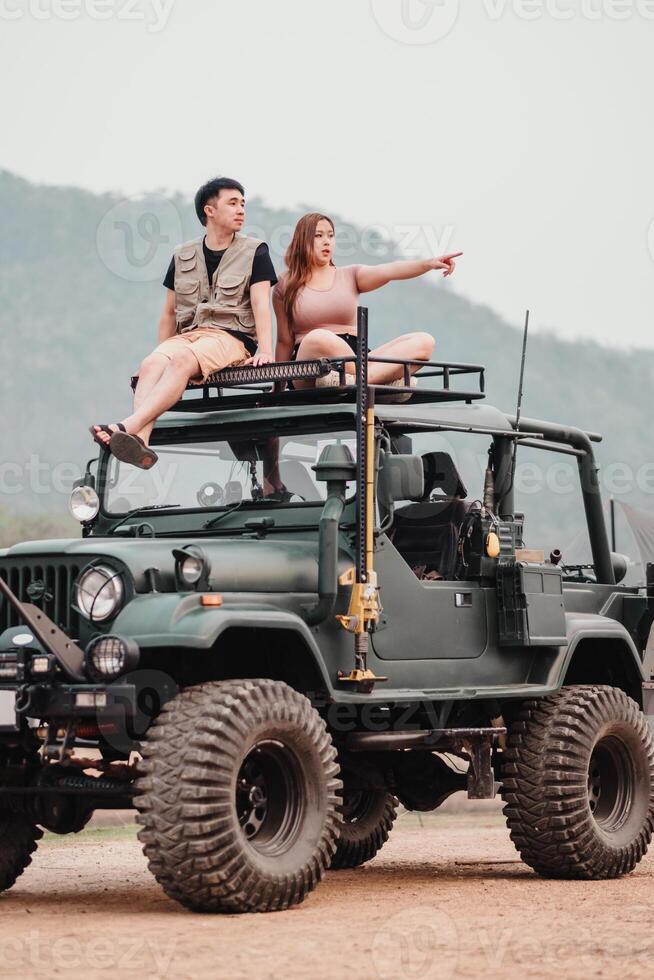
x=521 y=131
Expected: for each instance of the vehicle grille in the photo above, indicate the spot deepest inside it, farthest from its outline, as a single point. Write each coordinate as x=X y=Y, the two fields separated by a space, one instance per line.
x=53 y=578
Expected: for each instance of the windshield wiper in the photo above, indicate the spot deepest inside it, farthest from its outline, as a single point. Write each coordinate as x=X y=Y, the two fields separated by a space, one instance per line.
x=140 y=510
x=221 y=517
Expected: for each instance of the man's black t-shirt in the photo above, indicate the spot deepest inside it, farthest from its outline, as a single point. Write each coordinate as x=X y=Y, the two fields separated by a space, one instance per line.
x=262 y=268
x=262 y=271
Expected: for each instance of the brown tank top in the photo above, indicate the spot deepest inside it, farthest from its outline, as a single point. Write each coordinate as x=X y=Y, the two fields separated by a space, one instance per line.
x=332 y=309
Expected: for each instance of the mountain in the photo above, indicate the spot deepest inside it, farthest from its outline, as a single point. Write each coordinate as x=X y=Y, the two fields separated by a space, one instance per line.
x=80 y=295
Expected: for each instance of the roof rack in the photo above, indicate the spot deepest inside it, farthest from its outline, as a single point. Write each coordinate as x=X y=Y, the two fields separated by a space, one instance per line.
x=265 y=385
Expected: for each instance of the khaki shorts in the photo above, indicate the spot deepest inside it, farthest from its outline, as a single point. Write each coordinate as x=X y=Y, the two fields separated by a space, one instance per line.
x=214 y=349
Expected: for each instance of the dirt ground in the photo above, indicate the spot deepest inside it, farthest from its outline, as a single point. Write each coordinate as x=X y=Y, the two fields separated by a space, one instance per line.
x=446 y=898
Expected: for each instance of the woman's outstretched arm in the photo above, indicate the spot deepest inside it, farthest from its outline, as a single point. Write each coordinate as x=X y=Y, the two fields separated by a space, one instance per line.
x=371 y=277
x=285 y=336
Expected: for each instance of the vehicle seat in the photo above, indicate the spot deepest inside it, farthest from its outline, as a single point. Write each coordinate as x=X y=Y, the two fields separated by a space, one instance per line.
x=426 y=534
x=295 y=478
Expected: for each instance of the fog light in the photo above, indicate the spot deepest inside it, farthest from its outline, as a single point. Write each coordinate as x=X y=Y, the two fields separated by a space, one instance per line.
x=91 y=699
x=107 y=657
x=42 y=664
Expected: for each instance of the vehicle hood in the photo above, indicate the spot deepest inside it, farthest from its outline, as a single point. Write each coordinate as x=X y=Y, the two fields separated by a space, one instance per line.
x=238 y=564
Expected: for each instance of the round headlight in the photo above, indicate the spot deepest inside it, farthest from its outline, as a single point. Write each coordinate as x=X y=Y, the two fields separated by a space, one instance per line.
x=190 y=569
x=84 y=504
x=99 y=592
x=107 y=657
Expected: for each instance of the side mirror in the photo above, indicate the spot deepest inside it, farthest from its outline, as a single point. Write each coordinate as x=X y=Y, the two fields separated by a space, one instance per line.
x=400 y=478
x=88 y=480
x=620 y=564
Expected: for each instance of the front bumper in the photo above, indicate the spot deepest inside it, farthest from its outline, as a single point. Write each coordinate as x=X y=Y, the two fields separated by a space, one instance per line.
x=63 y=702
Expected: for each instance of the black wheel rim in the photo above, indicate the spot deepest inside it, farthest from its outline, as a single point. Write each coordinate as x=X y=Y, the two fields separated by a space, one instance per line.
x=611 y=784
x=356 y=805
x=270 y=802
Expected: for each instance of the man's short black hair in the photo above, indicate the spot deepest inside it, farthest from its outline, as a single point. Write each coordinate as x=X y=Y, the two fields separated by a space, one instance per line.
x=212 y=188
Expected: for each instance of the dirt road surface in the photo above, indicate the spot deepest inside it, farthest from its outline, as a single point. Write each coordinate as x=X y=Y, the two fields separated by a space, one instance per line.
x=446 y=898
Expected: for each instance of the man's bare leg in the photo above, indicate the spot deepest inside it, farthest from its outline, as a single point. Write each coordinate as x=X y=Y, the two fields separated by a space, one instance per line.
x=165 y=393
x=150 y=373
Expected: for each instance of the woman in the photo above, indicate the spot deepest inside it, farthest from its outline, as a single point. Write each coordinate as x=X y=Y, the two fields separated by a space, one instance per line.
x=316 y=303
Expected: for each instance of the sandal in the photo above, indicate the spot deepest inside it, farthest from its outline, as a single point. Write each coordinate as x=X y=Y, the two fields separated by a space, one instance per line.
x=333 y=380
x=279 y=496
x=104 y=428
x=132 y=449
x=401 y=396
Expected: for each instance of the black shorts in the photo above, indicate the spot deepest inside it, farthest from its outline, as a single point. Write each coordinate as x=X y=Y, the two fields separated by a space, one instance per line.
x=349 y=338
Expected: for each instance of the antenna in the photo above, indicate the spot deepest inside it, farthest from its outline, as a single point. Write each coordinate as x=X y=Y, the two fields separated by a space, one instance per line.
x=520 y=391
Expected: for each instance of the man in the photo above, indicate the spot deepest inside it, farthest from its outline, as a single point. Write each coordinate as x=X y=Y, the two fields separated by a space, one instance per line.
x=216 y=314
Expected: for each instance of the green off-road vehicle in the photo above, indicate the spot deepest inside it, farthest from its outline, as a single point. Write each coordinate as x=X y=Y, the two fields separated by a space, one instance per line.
x=321 y=603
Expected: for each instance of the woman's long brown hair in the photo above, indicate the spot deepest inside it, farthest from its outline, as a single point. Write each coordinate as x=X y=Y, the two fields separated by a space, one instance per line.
x=299 y=259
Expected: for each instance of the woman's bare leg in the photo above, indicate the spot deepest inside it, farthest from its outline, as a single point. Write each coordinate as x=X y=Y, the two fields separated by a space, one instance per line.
x=322 y=343
x=409 y=347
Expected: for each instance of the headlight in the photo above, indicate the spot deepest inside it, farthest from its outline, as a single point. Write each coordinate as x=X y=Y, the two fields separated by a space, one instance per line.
x=99 y=592
x=192 y=566
x=107 y=657
x=84 y=504
x=190 y=569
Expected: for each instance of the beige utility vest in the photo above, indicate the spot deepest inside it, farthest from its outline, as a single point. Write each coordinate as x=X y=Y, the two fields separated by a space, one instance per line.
x=225 y=302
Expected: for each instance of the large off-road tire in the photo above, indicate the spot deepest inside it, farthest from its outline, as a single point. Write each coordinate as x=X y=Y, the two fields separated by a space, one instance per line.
x=368 y=817
x=578 y=783
x=239 y=797
x=18 y=841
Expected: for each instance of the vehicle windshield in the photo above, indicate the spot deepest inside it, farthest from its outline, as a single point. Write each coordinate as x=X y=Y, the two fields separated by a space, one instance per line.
x=223 y=473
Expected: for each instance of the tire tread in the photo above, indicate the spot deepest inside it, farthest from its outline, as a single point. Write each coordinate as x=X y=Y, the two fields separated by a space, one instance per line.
x=544 y=784
x=184 y=797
